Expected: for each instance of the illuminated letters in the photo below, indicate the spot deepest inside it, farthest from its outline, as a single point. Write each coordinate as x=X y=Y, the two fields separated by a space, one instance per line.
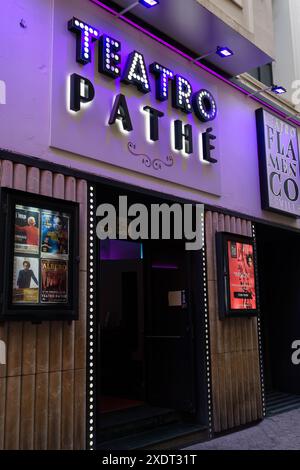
x=154 y=115
x=85 y=35
x=81 y=90
x=135 y=72
x=163 y=75
x=182 y=94
x=109 y=56
x=183 y=135
x=120 y=111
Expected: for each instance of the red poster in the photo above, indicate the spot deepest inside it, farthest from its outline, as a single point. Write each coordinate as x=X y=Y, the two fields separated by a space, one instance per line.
x=241 y=276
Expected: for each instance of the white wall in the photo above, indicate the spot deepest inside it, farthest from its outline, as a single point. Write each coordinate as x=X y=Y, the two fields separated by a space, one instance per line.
x=286 y=67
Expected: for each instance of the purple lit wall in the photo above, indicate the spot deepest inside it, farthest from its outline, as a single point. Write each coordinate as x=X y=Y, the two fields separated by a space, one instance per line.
x=112 y=250
x=26 y=64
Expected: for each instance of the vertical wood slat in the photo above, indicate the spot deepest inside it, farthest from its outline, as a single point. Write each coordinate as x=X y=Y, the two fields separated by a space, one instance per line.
x=29 y=329
x=55 y=353
x=212 y=321
x=27 y=412
x=67 y=410
x=15 y=329
x=69 y=328
x=41 y=411
x=42 y=355
x=80 y=327
x=28 y=379
x=235 y=386
x=236 y=228
x=16 y=177
x=80 y=409
x=54 y=410
x=2 y=410
x=55 y=346
x=12 y=412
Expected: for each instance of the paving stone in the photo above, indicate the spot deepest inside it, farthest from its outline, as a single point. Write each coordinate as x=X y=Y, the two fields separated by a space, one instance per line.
x=281 y=432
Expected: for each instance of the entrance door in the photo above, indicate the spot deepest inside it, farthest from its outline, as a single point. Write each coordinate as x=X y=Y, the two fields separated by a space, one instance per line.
x=121 y=325
x=279 y=273
x=169 y=331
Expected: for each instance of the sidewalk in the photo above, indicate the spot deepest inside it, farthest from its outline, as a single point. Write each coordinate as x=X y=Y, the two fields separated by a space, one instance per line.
x=281 y=432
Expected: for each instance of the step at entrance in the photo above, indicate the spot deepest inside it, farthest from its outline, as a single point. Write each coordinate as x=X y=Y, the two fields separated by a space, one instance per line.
x=278 y=402
x=144 y=427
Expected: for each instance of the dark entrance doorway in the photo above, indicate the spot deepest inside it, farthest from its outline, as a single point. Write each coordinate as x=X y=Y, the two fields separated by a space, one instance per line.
x=279 y=274
x=169 y=338
x=151 y=380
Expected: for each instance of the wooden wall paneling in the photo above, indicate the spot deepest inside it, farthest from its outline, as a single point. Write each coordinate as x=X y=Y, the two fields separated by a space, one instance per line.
x=67 y=410
x=55 y=354
x=17 y=176
x=2 y=409
x=226 y=333
x=56 y=327
x=29 y=329
x=54 y=418
x=80 y=409
x=43 y=329
x=247 y=348
x=41 y=410
x=80 y=327
x=67 y=413
x=239 y=325
x=46 y=406
x=29 y=353
x=42 y=354
x=220 y=338
x=12 y=413
x=233 y=366
x=213 y=319
x=15 y=329
x=27 y=412
x=69 y=327
x=256 y=385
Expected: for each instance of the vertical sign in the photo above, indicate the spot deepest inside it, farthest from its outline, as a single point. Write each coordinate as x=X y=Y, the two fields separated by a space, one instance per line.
x=279 y=164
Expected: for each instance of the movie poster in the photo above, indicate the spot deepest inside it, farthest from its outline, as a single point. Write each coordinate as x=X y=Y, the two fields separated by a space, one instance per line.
x=241 y=276
x=26 y=280
x=55 y=234
x=54 y=283
x=27 y=229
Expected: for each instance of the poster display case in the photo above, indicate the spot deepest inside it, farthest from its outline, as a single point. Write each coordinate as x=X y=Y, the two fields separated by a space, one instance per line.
x=237 y=283
x=39 y=240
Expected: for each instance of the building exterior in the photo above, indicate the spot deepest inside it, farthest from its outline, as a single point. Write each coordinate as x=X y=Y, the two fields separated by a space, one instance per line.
x=286 y=66
x=78 y=85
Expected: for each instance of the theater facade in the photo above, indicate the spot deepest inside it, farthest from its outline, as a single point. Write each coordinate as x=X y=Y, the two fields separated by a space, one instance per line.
x=105 y=339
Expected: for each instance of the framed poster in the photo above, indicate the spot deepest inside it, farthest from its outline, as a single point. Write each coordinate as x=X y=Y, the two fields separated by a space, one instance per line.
x=236 y=268
x=39 y=280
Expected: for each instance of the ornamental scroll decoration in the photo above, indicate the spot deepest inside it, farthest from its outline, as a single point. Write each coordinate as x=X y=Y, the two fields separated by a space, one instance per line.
x=156 y=163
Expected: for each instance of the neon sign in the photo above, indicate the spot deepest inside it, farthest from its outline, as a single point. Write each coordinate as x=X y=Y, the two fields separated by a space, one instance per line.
x=135 y=72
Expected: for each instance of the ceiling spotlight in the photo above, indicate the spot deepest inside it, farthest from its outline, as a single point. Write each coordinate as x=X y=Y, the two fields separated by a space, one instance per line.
x=278 y=90
x=220 y=51
x=224 y=52
x=149 y=3
x=145 y=3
